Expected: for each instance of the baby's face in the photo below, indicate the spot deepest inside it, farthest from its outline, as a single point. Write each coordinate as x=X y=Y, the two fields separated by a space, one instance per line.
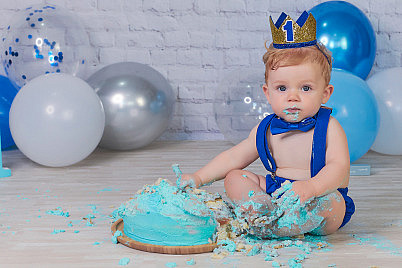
x=297 y=92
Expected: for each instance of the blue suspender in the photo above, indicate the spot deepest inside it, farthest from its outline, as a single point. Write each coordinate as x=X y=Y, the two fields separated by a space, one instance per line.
x=262 y=144
x=319 y=143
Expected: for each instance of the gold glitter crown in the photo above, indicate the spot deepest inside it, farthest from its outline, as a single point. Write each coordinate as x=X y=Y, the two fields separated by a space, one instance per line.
x=287 y=33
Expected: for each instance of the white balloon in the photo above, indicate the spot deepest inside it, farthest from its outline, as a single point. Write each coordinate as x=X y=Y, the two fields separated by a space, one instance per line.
x=386 y=86
x=57 y=120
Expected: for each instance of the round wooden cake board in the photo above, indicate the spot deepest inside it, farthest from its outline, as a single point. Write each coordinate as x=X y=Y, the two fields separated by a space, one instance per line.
x=176 y=250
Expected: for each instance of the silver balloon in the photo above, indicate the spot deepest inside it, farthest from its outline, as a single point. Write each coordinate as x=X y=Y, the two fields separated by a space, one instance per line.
x=138 y=103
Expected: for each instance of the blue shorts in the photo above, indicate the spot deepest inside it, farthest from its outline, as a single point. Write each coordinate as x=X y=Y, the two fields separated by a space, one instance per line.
x=273 y=185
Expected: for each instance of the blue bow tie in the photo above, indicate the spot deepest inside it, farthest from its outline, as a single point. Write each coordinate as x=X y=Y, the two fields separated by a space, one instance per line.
x=278 y=125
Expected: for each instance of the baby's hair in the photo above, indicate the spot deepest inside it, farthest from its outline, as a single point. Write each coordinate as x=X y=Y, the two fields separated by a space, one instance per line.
x=275 y=58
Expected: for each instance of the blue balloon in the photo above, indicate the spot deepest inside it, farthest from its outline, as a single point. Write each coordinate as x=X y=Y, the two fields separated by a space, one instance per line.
x=7 y=94
x=348 y=34
x=355 y=107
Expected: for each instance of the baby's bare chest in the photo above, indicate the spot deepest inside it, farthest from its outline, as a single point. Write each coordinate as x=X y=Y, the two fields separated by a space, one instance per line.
x=292 y=150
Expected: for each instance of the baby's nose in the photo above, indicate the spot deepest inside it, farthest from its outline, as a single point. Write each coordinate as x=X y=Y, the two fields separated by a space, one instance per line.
x=293 y=95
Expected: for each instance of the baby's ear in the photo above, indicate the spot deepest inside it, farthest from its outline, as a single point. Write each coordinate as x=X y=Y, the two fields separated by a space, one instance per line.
x=327 y=93
x=265 y=89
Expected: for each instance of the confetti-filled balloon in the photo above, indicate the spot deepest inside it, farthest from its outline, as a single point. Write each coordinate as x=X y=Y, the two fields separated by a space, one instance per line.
x=44 y=39
x=240 y=103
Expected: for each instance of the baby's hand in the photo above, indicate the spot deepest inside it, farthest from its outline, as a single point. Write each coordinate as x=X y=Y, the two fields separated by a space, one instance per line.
x=190 y=180
x=285 y=197
x=292 y=192
x=304 y=189
x=285 y=187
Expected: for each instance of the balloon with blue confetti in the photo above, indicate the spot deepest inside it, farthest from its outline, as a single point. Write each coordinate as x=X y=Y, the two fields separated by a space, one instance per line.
x=45 y=39
x=347 y=32
x=239 y=103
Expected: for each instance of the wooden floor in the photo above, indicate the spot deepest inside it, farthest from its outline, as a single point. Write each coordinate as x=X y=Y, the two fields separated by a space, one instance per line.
x=30 y=237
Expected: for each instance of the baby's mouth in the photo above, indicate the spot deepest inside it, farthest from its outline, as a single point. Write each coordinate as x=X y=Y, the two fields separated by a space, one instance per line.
x=291 y=110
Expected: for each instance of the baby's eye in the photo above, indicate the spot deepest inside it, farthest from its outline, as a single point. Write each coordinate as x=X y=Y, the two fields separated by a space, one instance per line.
x=306 y=88
x=281 y=88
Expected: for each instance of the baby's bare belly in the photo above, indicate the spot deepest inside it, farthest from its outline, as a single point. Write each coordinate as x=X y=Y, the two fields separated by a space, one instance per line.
x=292 y=154
x=293 y=173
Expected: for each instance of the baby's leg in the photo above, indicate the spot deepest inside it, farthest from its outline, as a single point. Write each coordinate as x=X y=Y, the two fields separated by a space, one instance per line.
x=239 y=183
x=247 y=192
x=333 y=213
x=322 y=216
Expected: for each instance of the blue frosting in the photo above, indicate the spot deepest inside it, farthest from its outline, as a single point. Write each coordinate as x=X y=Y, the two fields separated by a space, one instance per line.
x=163 y=214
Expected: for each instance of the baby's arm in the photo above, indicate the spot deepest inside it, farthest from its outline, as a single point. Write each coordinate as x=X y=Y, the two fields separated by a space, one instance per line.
x=335 y=173
x=237 y=157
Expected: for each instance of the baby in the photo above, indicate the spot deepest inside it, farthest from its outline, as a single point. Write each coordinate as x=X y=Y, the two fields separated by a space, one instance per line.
x=300 y=143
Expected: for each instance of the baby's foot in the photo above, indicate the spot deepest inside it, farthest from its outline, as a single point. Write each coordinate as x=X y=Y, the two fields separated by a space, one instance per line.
x=259 y=212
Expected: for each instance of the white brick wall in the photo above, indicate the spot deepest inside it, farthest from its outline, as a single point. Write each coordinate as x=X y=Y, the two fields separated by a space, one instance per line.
x=193 y=42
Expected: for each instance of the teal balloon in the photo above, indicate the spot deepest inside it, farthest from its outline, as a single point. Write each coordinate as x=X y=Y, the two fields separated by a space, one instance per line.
x=348 y=34
x=355 y=107
x=7 y=95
